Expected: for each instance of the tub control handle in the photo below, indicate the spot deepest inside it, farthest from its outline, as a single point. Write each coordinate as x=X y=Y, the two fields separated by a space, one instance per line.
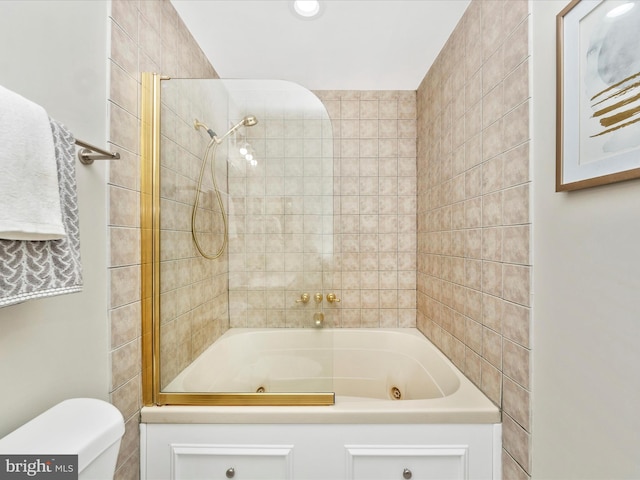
x=331 y=298
x=406 y=473
x=304 y=298
x=231 y=472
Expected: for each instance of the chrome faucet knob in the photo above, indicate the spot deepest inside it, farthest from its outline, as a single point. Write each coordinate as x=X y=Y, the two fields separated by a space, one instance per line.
x=304 y=298
x=331 y=298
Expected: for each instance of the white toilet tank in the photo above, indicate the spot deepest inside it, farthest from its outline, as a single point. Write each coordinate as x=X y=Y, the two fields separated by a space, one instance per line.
x=87 y=427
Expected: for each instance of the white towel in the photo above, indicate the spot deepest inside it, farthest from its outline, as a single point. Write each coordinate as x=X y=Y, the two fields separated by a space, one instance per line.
x=29 y=193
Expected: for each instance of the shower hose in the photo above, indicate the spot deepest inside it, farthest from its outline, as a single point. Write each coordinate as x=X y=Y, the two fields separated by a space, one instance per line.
x=210 y=150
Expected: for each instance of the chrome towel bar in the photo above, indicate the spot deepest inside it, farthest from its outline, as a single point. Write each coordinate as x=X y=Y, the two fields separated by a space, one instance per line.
x=88 y=153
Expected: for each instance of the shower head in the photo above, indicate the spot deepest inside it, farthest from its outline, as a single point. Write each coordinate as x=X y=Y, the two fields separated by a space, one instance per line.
x=248 y=121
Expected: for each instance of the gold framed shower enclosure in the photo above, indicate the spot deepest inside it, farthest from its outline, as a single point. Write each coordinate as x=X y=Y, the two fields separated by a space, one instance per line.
x=150 y=184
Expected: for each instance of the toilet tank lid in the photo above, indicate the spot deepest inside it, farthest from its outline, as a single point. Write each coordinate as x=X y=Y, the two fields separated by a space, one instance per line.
x=82 y=426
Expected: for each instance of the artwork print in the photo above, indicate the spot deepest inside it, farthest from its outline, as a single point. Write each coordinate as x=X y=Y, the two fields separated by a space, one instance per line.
x=600 y=93
x=611 y=73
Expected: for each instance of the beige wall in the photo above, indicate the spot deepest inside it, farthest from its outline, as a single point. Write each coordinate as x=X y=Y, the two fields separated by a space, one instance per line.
x=280 y=214
x=145 y=36
x=474 y=223
x=585 y=369
x=338 y=216
x=374 y=196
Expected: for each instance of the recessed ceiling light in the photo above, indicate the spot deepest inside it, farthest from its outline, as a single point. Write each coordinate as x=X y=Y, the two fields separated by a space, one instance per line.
x=307 y=8
x=620 y=10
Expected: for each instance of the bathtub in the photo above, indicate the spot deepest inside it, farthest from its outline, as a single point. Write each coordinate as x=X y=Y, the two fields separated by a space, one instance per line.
x=368 y=369
x=397 y=399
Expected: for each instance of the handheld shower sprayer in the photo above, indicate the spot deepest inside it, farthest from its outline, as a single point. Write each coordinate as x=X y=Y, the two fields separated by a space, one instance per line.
x=248 y=121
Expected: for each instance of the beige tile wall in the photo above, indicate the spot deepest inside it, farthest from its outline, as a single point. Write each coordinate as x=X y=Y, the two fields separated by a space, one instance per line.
x=474 y=263
x=374 y=205
x=359 y=241
x=281 y=221
x=194 y=307
x=145 y=36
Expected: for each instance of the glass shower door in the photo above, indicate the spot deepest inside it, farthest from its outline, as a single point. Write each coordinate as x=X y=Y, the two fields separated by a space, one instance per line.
x=256 y=157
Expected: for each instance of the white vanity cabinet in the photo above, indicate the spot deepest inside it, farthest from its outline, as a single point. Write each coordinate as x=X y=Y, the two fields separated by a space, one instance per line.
x=320 y=451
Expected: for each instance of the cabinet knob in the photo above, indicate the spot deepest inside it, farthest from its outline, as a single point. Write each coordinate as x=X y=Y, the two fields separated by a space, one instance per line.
x=406 y=473
x=231 y=472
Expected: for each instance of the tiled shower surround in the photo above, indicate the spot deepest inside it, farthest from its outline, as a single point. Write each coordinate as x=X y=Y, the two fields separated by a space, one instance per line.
x=469 y=243
x=280 y=206
x=374 y=197
x=305 y=222
x=473 y=211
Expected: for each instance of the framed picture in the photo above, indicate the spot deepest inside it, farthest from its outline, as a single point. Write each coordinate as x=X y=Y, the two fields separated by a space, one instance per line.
x=598 y=93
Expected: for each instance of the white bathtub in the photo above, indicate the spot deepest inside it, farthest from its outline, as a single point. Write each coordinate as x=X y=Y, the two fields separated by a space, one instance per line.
x=443 y=426
x=365 y=368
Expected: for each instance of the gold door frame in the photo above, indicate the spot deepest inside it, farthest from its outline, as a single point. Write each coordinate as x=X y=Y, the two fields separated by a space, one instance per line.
x=150 y=276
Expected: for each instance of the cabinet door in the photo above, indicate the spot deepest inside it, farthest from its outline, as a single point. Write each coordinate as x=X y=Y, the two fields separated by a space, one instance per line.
x=391 y=462
x=237 y=462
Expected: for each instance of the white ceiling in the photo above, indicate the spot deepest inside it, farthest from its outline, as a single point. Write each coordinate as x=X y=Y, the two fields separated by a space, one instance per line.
x=353 y=45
